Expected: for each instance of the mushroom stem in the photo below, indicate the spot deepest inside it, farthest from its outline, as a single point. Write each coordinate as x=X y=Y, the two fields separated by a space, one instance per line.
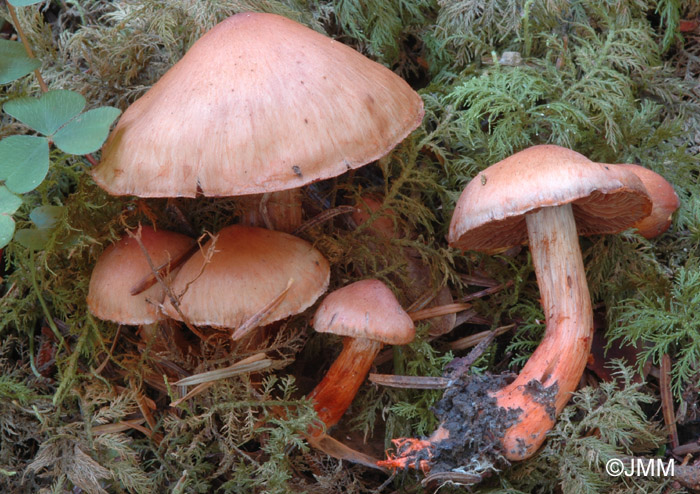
x=561 y=357
x=279 y=210
x=333 y=395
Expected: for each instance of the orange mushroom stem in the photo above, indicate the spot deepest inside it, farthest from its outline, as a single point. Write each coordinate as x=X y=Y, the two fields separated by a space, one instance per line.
x=368 y=315
x=334 y=394
x=561 y=357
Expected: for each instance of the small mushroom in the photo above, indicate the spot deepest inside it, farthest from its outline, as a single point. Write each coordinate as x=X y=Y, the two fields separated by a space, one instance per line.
x=122 y=266
x=385 y=228
x=369 y=316
x=664 y=202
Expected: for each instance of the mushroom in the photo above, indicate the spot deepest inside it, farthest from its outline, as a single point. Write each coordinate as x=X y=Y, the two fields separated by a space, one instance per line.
x=122 y=266
x=368 y=315
x=546 y=195
x=385 y=228
x=258 y=104
x=664 y=202
x=248 y=274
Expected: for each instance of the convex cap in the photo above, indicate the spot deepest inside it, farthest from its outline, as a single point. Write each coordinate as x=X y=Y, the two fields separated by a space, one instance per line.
x=365 y=309
x=249 y=268
x=490 y=213
x=260 y=103
x=664 y=201
x=122 y=266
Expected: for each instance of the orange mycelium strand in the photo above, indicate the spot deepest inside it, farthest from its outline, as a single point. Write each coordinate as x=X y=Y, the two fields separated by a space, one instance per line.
x=406 y=451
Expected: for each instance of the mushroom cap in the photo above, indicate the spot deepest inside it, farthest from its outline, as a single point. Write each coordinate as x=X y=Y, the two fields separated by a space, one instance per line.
x=490 y=213
x=664 y=202
x=365 y=309
x=258 y=104
x=383 y=226
x=122 y=265
x=249 y=268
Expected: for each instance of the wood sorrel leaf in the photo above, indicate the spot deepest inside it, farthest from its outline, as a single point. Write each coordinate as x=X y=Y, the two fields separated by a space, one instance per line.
x=23 y=3
x=24 y=162
x=87 y=132
x=14 y=62
x=8 y=201
x=7 y=229
x=46 y=216
x=48 y=113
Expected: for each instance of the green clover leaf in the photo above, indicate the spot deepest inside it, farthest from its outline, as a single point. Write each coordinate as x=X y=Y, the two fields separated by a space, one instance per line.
x=24 y=162
x=14 y=61
x=87 y=132
x=48 y=113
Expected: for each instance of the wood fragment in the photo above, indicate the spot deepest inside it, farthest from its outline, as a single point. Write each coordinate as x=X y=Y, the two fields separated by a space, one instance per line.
x=475 y=339
x=323 y=217
x=441 y=310
x=254 y=363
x=409 y=382
x=667 y=400
x=259 y=317
x=338 y=450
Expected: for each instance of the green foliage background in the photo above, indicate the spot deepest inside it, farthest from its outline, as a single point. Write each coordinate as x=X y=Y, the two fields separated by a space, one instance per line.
x=613 y=80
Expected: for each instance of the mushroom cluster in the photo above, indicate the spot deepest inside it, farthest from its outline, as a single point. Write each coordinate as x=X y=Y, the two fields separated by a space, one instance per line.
x=261 y=106
x=290 y=108
x=257 y=108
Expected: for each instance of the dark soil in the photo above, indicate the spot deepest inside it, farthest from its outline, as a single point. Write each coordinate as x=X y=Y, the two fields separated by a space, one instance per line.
x=474 y=421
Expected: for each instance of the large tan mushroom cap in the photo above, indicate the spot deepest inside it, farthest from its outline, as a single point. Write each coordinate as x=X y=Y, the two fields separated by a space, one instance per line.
x=490 y=213
x=365 y=309
x=122 y=266
x=260 y=103
x=249 y=269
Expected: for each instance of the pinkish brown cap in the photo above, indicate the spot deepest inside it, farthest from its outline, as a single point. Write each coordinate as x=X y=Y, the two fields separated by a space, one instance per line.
x=365 y=309
x=122 y=266
x=383 y=226
x=258 y=104
x=664 y=202
x=249 y=268
x=490 y=213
